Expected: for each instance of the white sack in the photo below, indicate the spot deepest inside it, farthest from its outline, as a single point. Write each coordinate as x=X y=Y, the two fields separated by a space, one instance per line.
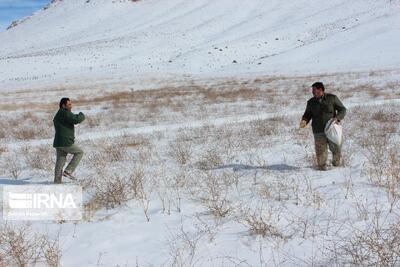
x=334 y=132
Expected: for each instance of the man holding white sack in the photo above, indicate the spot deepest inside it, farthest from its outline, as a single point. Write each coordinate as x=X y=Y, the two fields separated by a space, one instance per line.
x=321 y=109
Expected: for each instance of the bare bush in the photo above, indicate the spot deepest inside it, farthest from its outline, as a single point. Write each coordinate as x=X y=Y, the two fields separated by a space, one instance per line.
x=210 y=160
x=181 y=151
x=136 y=182
x=110 y=191
x=114 y=152
x=378 y=245
x=212 y=190
x=385 y=116
x=145 y=154
x=29 y=126
x=178 y=183
x=280 y=189
x=268 y=127
x=13 y=164
x=141 y=188
x=170 y=189
x=23 y=247
x=41 y=158
x=51 y=251
x=183 y=247
x=263 y=128
x=383 y=166
x=305 y=140
x=107 y=153
x=261 y=221
x=113 y=190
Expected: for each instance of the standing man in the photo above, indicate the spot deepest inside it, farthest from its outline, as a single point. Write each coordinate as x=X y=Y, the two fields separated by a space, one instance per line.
x=320 y=109
x=64 y=139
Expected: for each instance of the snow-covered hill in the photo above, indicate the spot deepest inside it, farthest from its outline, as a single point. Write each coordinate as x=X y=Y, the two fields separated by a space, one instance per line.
x=193 y=155
x=72 y=41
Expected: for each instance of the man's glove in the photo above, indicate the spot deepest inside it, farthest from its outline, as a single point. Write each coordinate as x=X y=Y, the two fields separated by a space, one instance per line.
x=303 y=124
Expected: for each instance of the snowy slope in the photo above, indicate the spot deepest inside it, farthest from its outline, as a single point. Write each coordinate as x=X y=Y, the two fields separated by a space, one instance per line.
x=213 y=133
x=78 y=40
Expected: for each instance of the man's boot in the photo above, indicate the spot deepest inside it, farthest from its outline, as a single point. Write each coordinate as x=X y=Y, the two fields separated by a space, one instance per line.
x=322 y=168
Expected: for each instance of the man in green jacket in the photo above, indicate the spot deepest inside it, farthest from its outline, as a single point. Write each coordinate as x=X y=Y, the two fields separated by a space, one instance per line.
x=64 y=139
x=320 y=109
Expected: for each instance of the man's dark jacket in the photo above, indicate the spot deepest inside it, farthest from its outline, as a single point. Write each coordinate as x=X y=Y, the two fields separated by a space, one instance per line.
x=64 y=122
x=321 y=110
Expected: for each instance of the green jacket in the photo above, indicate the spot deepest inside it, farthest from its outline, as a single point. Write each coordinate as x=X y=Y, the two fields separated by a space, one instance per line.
x=64 y=122
x=320 y=111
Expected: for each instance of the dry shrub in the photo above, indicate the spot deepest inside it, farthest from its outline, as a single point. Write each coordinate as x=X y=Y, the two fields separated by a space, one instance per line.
x=23 y=247
x=270 y=127
x=135 y=141
x=13 y=164
x=375 y=131
x=263 y=128
x=26 y=133
x=136 y=182
x=213 y=189
x=183 y=247
x=145 y=154
x=280 y=189
x=210 y=160
x=261 y=221
x=106 y=153
x=52 y=252
x=178 y=183
x=386 y=174
x=170 y=188
x=110 y=191
x=370 y=89
x=377 y=246
x=114 y=152
x=41 y=158
x=258 y=225
x=142 y=189
x=152 y=99
x=385 y=116
x=30 y=126
x=113 y=190
x=381 y=155
x=181 y=151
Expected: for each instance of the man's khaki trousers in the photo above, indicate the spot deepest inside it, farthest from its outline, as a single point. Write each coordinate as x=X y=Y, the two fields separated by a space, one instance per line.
x=62 y=153
x=321 y=149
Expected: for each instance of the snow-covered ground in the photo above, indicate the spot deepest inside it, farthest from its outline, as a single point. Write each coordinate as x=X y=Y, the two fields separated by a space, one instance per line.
x=192 y=159
x=226 y=176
